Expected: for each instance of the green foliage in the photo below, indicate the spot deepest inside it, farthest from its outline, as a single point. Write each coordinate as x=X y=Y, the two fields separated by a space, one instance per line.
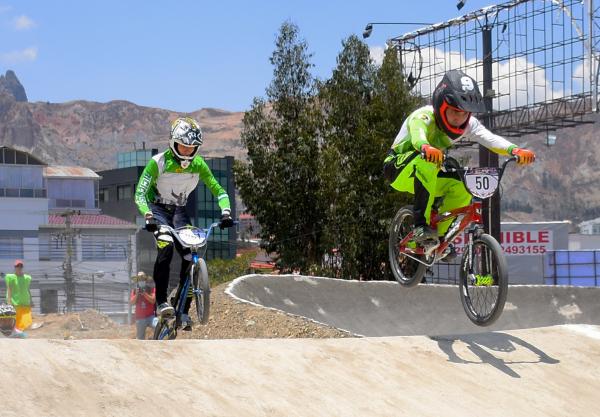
x=365 y=109
x=280 y=183
x=225 y=270
x=314 y=178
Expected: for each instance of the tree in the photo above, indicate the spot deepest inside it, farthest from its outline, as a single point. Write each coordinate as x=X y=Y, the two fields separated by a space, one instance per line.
x=280 y=182
x=365 y=107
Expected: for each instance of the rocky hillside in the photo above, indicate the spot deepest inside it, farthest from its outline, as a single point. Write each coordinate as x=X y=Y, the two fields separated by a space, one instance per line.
x=10 y=84
x=564 y=182
x=561 y=185
x=90 y=134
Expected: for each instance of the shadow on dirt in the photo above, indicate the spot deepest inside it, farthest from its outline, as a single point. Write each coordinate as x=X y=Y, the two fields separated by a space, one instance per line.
x=485 y=346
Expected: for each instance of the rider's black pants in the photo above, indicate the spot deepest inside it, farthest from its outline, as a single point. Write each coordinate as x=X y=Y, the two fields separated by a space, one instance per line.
x=174 y=216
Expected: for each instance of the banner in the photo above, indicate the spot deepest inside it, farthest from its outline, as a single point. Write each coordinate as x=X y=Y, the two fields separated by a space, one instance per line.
x=518 y=242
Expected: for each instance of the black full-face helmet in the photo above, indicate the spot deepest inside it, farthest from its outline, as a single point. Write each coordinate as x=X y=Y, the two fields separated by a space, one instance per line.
x=458 y=91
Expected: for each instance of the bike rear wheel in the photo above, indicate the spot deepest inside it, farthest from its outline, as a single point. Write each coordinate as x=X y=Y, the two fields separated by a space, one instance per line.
x=408 y=272
x=201 y=291
x=165 y=329
x=483 y=281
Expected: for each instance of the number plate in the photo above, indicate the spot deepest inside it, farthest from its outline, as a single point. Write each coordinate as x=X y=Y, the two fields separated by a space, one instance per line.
x=190 y=238
x=482 y=182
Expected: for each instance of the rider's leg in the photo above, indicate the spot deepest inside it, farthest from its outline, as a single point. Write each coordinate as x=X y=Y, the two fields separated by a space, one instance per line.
x=418 y=177
x=164 y=244
x=451 y=187
x=162 y=265
x=181 y=219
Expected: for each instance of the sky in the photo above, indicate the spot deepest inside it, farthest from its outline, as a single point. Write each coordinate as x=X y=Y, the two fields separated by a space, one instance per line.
x=184 y=55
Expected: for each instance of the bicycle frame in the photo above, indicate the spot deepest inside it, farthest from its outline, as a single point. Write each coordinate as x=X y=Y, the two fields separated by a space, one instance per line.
x=466 y=216
x=195 y=258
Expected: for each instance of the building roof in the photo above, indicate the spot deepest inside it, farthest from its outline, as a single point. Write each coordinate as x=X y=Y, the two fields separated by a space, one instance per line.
x=101 y=220
x=589 y=222
x=60 y=171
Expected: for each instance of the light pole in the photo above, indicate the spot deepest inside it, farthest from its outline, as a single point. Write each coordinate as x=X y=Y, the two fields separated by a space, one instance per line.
x=369 y=28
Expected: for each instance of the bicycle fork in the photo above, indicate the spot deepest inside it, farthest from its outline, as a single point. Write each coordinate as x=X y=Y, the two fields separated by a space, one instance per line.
x=479 y=280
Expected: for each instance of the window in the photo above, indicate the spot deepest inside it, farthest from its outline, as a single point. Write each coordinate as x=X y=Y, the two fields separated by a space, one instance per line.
x=104 y=195
x=53 y=247
x=124 y=192
x=11 y=248
x=104 y=247
x=596 y=229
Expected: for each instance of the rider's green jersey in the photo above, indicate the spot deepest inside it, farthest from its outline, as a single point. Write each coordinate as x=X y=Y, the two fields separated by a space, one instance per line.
x=165 y=181
x=420 y=128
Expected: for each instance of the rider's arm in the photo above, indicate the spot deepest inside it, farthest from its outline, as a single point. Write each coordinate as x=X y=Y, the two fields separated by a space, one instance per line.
x=477 y=132
x=417 y=128
x=147 y=180
x=213 y=185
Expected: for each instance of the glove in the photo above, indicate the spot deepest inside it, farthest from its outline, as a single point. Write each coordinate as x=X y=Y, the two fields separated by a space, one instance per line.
x=524 y=156
x=226 y=221
x=151 y=225
x=431 y=154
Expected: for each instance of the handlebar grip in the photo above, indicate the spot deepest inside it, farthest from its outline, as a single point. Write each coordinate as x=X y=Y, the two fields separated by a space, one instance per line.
x=151 y=226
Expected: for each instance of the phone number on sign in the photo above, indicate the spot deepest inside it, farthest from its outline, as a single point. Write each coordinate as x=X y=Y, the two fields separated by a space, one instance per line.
x=523 y=250
x=515 y=249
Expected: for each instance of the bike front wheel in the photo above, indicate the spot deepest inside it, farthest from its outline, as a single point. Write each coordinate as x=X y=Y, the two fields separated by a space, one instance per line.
x=201 y=291
x=165 y=329
x=483 y=281
x=408 y=272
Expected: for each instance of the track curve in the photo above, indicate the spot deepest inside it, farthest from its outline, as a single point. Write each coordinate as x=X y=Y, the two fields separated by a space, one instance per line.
x=377 y=308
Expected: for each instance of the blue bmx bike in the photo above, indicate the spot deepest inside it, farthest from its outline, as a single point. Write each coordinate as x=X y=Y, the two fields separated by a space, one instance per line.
x=196 y=284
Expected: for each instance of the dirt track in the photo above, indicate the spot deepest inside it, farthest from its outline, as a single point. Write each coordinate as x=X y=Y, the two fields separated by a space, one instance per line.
x=230 y=319
x=550 y=372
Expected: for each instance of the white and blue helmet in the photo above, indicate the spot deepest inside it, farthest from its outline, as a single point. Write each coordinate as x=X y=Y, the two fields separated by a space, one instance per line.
x=185 y=131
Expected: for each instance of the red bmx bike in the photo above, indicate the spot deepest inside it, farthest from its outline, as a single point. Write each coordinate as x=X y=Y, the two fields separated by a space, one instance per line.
x=483 y=283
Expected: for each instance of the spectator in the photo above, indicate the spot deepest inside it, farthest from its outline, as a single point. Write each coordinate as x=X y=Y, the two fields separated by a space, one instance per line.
x=18 y=293
x=144 y=298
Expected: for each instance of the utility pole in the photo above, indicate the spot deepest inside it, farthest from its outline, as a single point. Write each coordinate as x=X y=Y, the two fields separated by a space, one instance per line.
x=93 y=291
x=129 y=272
x=68 y=265
x=491 y=206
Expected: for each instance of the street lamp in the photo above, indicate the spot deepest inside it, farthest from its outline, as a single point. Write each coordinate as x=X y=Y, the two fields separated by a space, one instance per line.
x=369 y=27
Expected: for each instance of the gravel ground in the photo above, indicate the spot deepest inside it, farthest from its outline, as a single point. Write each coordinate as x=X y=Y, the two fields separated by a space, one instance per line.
x=229 y=319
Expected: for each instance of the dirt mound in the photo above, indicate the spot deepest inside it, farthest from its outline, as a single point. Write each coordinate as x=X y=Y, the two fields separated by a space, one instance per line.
x=536 y=372
x=88 y=320
x=230 y=319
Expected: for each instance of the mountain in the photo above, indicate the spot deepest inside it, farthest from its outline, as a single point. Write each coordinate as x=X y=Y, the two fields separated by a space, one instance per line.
x=561 y=185
x=10 y=84
x=90 y=134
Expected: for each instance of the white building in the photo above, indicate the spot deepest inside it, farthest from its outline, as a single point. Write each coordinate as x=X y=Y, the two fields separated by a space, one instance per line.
x=34 y=199
x=590 y=227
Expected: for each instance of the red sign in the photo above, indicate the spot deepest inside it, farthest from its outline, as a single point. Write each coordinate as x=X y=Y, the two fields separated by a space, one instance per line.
x=517 y=242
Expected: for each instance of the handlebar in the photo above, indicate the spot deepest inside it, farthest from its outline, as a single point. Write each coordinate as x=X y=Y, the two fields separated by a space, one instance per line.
x=452 y=168
x=173 y=231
